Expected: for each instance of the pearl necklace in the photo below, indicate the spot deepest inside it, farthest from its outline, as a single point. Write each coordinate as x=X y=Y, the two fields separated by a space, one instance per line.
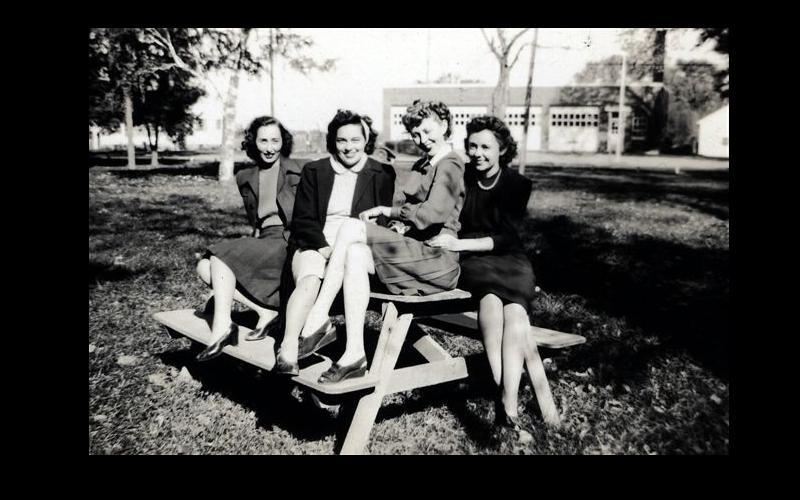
x=494 y=183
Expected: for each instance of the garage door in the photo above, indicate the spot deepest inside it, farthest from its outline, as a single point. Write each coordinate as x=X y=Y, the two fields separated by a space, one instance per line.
x=515 y=119
x=574 y=129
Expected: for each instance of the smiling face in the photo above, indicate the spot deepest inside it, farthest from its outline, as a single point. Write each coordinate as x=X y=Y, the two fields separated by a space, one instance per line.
x=484 y=153
x=350 y=144
x=429 y=135
x=269 y=143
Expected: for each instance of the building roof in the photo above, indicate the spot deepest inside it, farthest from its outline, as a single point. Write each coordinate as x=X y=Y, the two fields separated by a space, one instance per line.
x=723 y=109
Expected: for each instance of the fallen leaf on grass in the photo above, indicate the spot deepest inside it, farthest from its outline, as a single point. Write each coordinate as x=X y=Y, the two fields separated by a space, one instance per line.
x=158 y=379
x=92 y=348
x=716 y=399
x=126 y=360
x=525 y=437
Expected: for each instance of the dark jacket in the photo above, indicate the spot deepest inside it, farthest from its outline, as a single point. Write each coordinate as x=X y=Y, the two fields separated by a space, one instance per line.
x=247 y=180
x=374 y=187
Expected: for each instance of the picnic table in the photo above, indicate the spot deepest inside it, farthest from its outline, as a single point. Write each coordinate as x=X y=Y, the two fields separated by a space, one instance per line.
x=454 y=309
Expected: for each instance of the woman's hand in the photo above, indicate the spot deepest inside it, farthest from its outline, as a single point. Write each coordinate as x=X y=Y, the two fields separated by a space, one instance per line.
x=446 y=241
x=326 y=252
x=370 y=214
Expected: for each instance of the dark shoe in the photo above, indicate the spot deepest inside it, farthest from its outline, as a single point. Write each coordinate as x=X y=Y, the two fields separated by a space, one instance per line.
x=317 y=340
x=285 y=368
x=231 y=337
x=337 y=373
x=261 y=333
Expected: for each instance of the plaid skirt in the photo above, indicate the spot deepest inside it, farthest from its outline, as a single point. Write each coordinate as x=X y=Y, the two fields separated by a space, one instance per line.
x=409 y=267
x=257 y=263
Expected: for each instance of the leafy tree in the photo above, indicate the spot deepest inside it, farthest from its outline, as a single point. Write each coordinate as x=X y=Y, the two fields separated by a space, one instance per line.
x=502 y=47
x=231 y=52
x=720 y=37
x=163 y=102
x=120 y=61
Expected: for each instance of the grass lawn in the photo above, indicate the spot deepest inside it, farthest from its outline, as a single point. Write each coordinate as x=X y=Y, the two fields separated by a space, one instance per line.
x=637 y=262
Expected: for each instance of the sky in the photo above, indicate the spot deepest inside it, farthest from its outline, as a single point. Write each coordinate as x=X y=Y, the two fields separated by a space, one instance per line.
x=371 y=59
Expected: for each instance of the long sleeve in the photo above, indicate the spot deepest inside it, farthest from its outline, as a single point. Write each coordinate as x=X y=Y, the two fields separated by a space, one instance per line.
x=306 y=228
x=444 y=201
x=514 y=204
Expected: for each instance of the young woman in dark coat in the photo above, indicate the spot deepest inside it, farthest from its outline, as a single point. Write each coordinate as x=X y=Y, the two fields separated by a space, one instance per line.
x=332 y=191
x=494 y=265
x=249 y=269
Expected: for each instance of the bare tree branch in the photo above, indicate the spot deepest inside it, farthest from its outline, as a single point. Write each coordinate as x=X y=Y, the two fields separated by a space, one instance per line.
x=519 y=51
x=166 y=42
x=491 y=45
x=516 y=37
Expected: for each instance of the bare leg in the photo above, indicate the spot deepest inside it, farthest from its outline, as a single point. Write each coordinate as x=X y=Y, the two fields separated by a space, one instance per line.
x=297 y=308
x=352 y=231
x=223 y=282
x=515 y=330
x=490 y=320
x=358 y=266
x=264 y=315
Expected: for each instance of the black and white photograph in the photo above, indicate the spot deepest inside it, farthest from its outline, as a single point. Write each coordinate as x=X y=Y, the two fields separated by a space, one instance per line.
x=409 y=241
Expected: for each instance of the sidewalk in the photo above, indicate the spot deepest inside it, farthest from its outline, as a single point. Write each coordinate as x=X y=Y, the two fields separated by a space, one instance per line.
x=601 y=160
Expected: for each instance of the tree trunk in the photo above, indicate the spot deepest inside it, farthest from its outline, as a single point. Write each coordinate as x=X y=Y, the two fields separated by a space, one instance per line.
x=523 y=151
x=126 y=92
x=228 y=129
x=154 y=150
x=500 y=94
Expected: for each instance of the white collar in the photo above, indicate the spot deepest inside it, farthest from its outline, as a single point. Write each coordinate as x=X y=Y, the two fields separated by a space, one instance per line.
x=446 y=149
x=340 y=169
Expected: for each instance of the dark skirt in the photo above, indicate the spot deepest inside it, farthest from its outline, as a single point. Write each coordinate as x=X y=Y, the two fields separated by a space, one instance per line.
x=409 y=267
x=508 y=276
x=257 y=263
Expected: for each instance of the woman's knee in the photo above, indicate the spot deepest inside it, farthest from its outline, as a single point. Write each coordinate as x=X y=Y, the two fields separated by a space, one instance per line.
x=490 y=315
x=359 y=257
x=204 y=271
x=515 y=322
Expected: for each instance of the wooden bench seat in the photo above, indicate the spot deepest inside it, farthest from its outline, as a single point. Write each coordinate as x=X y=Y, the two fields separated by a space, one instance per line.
x=447 y=310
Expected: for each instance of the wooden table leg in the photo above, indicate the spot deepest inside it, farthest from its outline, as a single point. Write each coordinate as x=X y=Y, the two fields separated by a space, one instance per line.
x=541 y=386
x=393 y=334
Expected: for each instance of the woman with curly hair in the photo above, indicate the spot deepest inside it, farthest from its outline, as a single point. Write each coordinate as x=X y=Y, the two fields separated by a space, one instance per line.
x=494 y=265
x=427 y=205
x=332 y=192
x=249 y=269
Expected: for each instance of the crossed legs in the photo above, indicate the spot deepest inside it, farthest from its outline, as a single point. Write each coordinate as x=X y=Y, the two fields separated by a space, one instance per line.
x=215 y=273
x=348 y=268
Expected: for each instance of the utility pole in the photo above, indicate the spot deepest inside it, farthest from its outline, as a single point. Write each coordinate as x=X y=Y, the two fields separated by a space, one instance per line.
x=428 y=60
x=271 y=75
x=621 y=114
x=523 y=153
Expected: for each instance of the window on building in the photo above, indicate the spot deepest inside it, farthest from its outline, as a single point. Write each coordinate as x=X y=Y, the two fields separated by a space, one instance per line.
x=639 y=125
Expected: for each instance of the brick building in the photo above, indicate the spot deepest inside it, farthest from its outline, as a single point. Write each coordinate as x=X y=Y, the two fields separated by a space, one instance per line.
x=579 y=118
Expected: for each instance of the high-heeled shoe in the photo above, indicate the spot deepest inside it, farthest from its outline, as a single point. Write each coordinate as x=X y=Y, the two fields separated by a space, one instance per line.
x=231 y=337
x=263 y=332
x=337 y=372
x=283 y=367
x=324 y=335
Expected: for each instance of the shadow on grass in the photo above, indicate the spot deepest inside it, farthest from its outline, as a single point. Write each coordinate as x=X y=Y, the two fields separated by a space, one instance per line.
x=269 y=396
x=100 y=272
x=675 y=291
x=199 y=169
x=706 y=192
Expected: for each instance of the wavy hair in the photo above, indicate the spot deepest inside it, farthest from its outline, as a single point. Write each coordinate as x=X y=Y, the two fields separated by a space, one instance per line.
x=501 y=133
x=420 y=110
x=346 y=117
x=250 y=133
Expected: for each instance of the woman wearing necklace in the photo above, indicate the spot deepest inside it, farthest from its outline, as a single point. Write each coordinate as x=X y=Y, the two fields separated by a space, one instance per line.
x=249 y=270
x=427 y=205
x=494 y=265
